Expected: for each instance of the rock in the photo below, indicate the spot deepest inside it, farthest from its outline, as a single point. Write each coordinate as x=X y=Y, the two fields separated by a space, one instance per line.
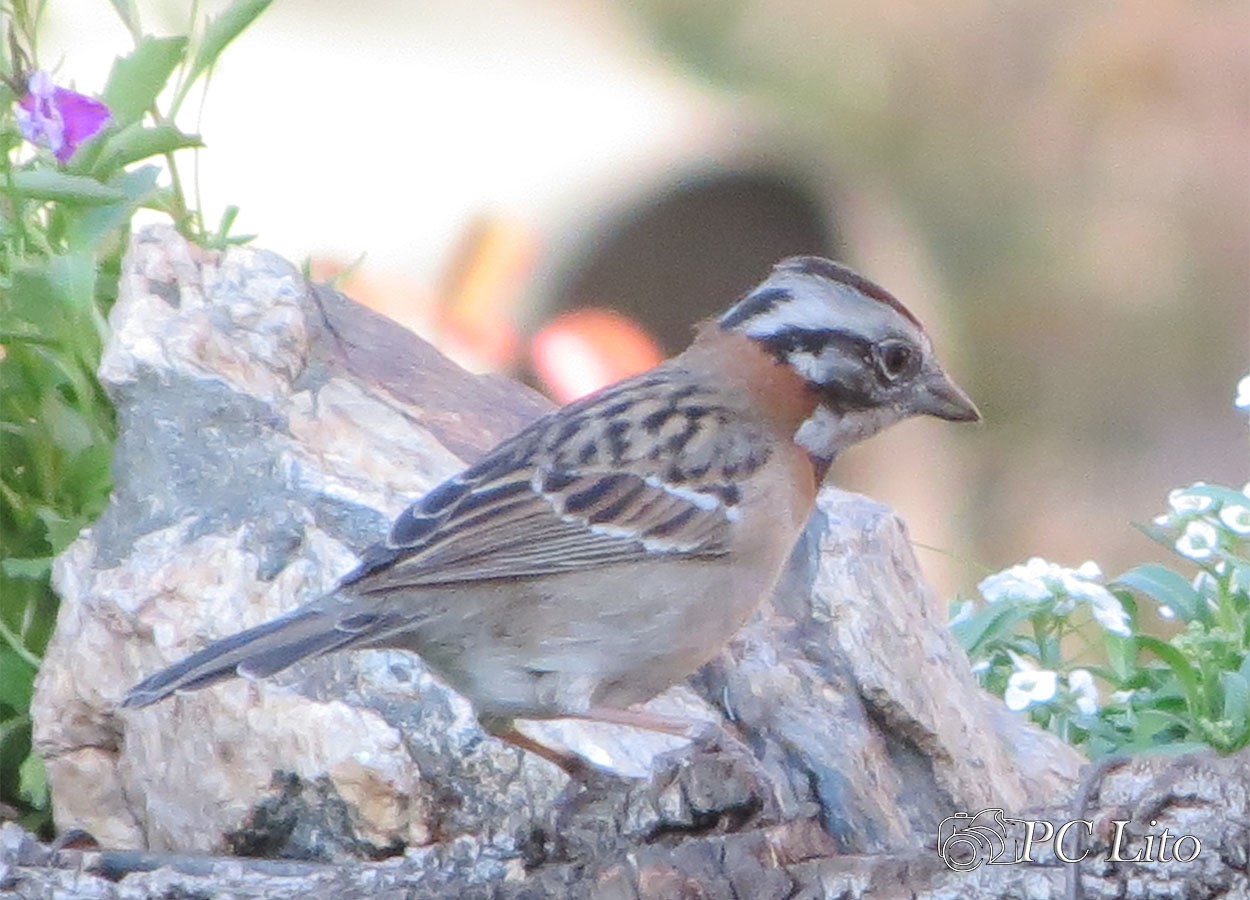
x=269 y=432
x=1200 y=794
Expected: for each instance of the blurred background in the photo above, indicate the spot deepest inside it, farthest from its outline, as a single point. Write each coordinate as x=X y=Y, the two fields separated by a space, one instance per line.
x=559 y=189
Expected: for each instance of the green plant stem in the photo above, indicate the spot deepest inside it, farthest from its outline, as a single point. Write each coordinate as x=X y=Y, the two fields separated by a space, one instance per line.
x=183 y=86
x=179 y=212
x=16 y=337
x=18 y=647
x=130 y=18
x=11 y=497
x=1047 y=642
x=195 y=155
x=1226 y=615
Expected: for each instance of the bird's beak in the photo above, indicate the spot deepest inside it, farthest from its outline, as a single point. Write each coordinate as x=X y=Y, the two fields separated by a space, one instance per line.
x=941 y=397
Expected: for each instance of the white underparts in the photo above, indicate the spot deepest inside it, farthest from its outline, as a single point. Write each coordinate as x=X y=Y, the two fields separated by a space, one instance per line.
x=816 y=435
x=827 y=433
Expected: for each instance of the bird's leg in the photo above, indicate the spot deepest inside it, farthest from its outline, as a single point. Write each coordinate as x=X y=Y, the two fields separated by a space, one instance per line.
x=505 y=729
x=587 y=785
x=648 y=721
x=577 y=768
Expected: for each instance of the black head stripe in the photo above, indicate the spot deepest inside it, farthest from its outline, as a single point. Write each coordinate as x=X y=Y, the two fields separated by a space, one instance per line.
x=754 y=304
x=814 y=341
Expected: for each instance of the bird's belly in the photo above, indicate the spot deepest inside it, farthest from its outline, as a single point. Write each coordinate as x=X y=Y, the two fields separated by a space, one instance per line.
x=558 y=645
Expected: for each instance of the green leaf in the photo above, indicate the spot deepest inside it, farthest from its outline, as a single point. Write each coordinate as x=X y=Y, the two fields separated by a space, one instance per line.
x=91 y=228
x=218 y=33
x=14 y=740
x=1218 y=493
x=1241 y=569
x=1169 y=588
x=129 y=14
x=135 y=81
x=17 y=680
x=32 y=307
x=1152 y=721
x=74 y=277
x=33 y=781
x=61 y=529
x=1121 y=658
x=51 y=184
x=1179 y=748
x=1236 y=701
x=19 y=645
x=1163 y=748
x=89 y=478
x=53 y=305
x=1180 y=667
x=136 y=142
x=69 y=429
x=988 y=625
x=34 y=569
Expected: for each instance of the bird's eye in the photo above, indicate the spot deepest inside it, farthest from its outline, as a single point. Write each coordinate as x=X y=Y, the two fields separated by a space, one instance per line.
x=896 y=359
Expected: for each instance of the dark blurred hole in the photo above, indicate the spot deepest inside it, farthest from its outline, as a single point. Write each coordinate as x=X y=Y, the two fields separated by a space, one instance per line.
x=687 y=253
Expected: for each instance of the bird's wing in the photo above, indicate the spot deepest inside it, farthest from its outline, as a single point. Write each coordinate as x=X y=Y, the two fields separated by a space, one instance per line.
x=645 y=468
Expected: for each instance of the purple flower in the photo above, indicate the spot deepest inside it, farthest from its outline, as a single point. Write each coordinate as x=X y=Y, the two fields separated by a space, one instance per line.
x=57 y=118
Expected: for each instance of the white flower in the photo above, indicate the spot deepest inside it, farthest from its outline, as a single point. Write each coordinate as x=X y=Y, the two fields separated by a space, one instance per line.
x=1199 y=541
x=980 y=667
x=1026 y=582
x=1163 y=521
x=1082 y=686
x=1166 y=612
x=1038 y=579
x=1236 y=518
x=1183 y=502
x=1082 y=589
x=1106 y=609
x=1029 y=687
x=1122 y=696
x=964 y=614
x=1243 y=394
x=1089 y=570
x=1109 y=612
x=1064 y=604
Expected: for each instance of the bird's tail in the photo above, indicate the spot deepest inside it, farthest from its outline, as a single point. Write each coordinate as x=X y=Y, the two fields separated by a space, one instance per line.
x=258 y=652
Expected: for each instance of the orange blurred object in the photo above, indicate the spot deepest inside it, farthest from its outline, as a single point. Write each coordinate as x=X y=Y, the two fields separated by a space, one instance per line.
x=481 y=288
x=470 y=315
x=582 y=350
x=402 y=299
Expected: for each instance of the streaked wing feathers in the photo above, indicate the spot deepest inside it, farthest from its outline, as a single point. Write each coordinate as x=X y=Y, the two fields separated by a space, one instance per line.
x=581 y=488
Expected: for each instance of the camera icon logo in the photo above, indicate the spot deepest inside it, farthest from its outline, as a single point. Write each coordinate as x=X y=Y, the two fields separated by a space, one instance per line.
x=966 y=842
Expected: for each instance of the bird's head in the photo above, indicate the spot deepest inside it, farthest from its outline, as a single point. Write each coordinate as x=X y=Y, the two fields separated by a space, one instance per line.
x=861 y=352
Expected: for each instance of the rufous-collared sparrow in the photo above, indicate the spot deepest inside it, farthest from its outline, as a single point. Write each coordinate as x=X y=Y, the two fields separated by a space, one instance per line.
x=614 y=546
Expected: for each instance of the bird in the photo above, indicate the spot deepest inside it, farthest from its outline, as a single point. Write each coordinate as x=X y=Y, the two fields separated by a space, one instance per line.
x=609 y=549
